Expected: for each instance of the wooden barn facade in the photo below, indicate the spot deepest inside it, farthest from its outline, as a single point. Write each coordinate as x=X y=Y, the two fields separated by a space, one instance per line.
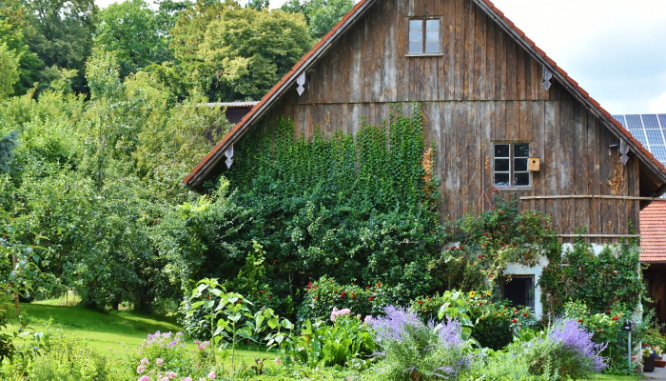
x=501 y=112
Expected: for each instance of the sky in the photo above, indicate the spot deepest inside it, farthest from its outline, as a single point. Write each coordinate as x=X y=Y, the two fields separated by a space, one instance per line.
x=614 y=49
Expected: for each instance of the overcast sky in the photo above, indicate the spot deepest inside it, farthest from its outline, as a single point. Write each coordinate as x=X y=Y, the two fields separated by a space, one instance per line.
x=615 y=49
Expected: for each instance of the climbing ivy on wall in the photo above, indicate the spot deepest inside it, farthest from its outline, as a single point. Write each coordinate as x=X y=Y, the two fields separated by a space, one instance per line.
x=602 y=281
x=357 y=208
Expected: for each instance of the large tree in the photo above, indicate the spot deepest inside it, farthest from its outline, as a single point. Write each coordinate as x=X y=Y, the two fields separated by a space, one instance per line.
x=62 y=34
x=321 y=15
x=251 y=50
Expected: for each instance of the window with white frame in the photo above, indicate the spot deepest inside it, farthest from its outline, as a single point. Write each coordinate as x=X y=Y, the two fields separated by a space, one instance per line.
x=511 y=165
x=424 y=36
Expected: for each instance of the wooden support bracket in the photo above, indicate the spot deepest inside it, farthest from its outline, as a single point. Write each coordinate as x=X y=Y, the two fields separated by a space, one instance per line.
x=603 y=197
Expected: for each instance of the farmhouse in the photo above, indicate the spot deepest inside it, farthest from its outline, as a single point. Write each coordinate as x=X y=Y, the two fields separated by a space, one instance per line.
x=500 y=112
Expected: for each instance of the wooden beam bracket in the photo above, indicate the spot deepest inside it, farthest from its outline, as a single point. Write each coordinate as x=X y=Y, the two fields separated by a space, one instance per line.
x=591 y=196
x=229 y=153
x=600 y=235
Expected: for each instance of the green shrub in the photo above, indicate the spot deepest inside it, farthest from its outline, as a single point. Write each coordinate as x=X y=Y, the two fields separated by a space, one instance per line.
x=500 y=366
x=348 y=338
x=70 y=359
x=608 y=328
x=492 y=321
x=325 y=294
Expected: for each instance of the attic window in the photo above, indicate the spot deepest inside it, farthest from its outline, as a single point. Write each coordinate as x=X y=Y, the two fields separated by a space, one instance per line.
x=511 y=165
x=424 y=36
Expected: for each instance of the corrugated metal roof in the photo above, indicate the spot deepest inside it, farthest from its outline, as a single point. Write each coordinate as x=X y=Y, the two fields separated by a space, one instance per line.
x=653 y=232
x=232 y=104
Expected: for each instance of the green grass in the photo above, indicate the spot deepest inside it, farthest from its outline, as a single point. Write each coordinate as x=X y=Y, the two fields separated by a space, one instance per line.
x=109 y=333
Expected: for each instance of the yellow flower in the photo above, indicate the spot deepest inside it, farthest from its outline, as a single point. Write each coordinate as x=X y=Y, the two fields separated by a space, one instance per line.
x=472 y=294
x=488 y=293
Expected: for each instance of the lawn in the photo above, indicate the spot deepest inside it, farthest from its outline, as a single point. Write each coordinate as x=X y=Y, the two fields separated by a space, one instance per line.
x=111 y=332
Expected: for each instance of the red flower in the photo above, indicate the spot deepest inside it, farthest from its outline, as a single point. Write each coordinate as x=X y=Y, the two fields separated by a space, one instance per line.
x=481 y=256
x=480 y=303
x=430 y=299
x=484 y=245
x=495 y=313
x=379 y=284
x=491 y=275
x=354 y=297
x=270 y=296
x=616 y=318
x=240 y=302
x=315 y=287
x=609 y=310
x=370 y=299
x=525 y=314
x=580 y=320
x=515 y=312
x=367 y=287
x=343 y=294
x=514 y=321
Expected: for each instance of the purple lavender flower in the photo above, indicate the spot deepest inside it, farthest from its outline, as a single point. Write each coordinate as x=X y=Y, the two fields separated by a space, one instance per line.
x=569 y=332
x=449 y=331
x=392 y=327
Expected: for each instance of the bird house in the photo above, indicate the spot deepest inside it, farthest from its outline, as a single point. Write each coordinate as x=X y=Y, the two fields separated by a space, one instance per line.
x=534 y=164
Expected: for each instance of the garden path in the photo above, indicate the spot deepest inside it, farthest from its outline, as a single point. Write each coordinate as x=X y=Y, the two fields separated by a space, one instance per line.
x=658 y=374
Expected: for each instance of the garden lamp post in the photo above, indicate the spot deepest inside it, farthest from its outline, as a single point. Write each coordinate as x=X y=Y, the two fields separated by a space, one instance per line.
x=629 y=326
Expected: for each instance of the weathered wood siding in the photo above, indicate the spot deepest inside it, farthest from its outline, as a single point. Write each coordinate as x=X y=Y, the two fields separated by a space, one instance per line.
x=482 y=88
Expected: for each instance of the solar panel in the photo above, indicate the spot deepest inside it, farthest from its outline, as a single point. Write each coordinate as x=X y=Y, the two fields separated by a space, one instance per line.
x=659 y=152
x=638 y=134
x=662 y=120
x=641 y=138
x=634 y=121
x=620 y=118
x=650 y=121
x=654 y=137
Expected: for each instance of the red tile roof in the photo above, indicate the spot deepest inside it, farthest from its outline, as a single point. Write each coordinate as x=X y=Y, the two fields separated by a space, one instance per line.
x=653 y=231
x=239 y=129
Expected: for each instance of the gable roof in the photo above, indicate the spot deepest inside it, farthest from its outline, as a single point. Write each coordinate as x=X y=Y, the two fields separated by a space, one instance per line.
x=208 y=163
x=653 y=231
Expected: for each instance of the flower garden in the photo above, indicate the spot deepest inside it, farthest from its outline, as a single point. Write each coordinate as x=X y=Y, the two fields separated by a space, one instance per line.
x=324 y=262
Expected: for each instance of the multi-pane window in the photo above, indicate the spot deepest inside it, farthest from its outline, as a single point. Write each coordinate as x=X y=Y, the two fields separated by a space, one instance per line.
x=424 y=36
x=511 y=165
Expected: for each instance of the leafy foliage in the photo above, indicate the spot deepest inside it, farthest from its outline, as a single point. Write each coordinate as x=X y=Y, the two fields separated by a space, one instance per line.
x=581 y=275
x=9 y=70
x=318 y=211
x=321 y=15
x=347 y=339
x=132 y=30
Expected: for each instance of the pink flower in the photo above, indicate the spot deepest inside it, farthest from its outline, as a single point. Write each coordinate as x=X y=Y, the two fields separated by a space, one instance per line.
x=159 y=362
x=277 y=361
x=211 y=375
x=367 y=319
x=171 y=374
x=186 y=379
x=144 y=378
x=164 y=379
x=145 y=361
x=140 y=369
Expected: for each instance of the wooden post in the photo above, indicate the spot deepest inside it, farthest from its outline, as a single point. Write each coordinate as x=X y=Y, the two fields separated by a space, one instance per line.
x=16 y=295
